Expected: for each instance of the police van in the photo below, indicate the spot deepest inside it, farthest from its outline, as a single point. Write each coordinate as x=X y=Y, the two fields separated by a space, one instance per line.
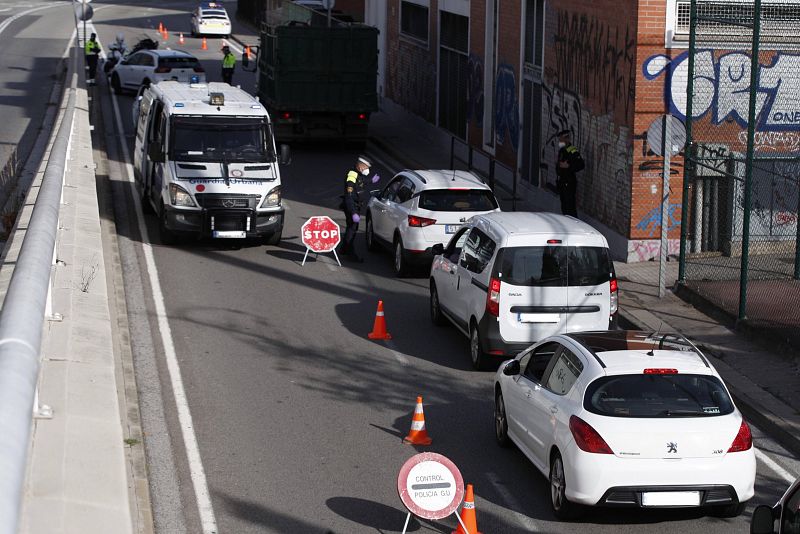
x=205 y=161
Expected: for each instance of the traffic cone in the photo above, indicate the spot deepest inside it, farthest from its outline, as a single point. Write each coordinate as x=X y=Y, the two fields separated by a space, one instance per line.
x=468 y=514
x=418 y=435
x=181 y=39
x=204 y=45
x=160 y=28
x=165 y=35
x=247 y=52
x=379 y=327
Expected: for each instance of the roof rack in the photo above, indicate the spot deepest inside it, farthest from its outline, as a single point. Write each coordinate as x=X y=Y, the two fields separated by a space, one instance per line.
x=610 y=340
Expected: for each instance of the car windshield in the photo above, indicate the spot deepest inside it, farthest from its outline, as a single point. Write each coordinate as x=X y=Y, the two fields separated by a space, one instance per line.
x=457 y=200
x=214 y=15
x=244 y=139
x=554 y=266
x=178 y=62
x=658 y=396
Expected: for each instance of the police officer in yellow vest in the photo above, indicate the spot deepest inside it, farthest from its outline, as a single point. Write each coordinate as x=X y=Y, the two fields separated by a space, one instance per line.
x=351 y=204
x=92 y=51
x=228 y=64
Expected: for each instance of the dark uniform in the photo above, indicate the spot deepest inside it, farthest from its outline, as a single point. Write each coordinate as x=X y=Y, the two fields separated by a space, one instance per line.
x=351 y=204
x=567 y=182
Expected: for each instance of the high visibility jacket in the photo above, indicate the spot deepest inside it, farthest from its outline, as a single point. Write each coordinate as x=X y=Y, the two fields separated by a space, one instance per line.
x=229 y=61
x=353 y=185
x=91 y=47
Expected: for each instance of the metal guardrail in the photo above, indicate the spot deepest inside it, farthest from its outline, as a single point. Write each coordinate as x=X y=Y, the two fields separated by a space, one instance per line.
x=21 y=323
x=484 y=164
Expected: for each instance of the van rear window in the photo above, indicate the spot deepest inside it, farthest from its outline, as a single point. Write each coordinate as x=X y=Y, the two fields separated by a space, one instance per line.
x=554 y=266
x=177 y=62
x=457 y=200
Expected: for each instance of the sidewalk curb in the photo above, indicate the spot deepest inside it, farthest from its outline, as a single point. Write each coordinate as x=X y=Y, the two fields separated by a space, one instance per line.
x=745 y=393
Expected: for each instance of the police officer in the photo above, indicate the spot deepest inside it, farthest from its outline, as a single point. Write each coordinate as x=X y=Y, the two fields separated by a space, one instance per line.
x=351 y=204
x=569 y=163
x=92 y=51
x=228 y=64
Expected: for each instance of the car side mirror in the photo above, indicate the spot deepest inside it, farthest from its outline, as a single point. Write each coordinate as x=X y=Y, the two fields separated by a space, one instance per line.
x=155 y=153
x=511 y=368
x=763 y=520
x=286 y=155
x=437 y=249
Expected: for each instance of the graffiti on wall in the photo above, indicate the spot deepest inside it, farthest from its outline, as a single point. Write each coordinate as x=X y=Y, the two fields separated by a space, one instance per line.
x=475 y=90
x=412 y=81
x=650 y=249
x=596 y=60
x=506 y=111
x=722 y=87
x=651 y=223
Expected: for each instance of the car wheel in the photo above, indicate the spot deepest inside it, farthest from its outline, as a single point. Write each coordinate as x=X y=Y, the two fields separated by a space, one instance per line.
x=372 y=245
x=274 y=238
x=476 y=353
x=562 y=507
x=436 y=312
x=500 y=421
x=731 y=510
x=400 y=261
x=116 y=86
x=166 y=235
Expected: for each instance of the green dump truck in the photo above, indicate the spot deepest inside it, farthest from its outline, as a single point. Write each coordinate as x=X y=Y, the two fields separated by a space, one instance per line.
x=318 y=81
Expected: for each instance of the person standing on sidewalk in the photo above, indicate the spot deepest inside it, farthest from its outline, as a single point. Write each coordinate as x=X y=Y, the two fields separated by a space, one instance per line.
x=569 y=163
x=228 y=64
x=92 y=51
x=351 y=204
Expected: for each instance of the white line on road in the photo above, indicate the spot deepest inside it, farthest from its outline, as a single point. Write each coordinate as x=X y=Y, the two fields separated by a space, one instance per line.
x=527 y=523
x=207 y=520
x=6 y=23
x=777 y=469
x=233 y=46
x=397 y=355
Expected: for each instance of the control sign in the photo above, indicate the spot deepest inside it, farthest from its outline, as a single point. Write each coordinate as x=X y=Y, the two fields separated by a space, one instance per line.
x=430 y=486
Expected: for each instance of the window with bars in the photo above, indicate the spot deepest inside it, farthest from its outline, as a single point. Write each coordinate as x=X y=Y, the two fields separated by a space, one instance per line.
x=732 y=20
x=414 y=21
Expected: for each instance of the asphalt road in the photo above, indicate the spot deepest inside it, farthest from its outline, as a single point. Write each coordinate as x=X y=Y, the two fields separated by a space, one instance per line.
x=298 y=417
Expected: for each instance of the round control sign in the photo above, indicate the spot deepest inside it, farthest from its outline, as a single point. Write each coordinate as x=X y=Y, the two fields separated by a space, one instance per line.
x=430 y=486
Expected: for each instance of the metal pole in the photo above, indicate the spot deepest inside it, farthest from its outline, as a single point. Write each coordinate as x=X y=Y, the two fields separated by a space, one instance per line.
x=797 y=242
x=452 y=152
x=666 y=147
x=748 y=176
x=689 y=154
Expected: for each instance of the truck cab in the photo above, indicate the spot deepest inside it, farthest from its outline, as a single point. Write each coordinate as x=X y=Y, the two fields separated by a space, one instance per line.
x=206 y=163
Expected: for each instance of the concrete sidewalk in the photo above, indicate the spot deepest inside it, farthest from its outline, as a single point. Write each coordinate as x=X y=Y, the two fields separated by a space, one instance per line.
x=764 y=382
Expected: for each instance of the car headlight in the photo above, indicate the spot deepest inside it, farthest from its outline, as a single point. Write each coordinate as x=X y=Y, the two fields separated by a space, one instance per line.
x=273 y=198
x=179 y=196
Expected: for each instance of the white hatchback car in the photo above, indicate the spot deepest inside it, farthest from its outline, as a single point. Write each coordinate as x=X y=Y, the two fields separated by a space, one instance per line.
x=626 y=418
x=211 y=19
x=418 y=209
x=152 y=66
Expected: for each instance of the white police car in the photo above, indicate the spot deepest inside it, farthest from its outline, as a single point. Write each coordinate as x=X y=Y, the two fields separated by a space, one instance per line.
x=211 y=19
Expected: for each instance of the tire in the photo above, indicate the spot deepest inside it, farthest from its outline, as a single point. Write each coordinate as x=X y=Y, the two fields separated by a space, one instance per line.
x=369 y=233
x=731 y=510
x=436 y=312
x=562 y=507
x=476 y=353
x=400 y=260
x=166 y=235
x=145 y=199
x=500 y=421
x=274 y=238
x=116 y=86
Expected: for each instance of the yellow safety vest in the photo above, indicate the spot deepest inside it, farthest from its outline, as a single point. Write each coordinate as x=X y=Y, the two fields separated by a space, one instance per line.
x=229 y=61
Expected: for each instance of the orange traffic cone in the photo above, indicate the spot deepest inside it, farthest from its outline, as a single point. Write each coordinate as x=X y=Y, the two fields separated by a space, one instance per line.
x=160 y=28
x=205 y=45
x=418 y=435
x=468 y=514
x=181 y=40
x=165 y=35
x=379 y=328
x=247 y=52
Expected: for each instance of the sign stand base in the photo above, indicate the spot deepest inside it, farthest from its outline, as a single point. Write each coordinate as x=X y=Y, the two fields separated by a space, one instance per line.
x=460 y=522
x=317 y=254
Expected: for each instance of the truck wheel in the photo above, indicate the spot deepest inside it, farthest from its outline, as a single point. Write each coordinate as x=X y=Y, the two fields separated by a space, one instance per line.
x=166 y=235
x=274 y=238
x=116 y=86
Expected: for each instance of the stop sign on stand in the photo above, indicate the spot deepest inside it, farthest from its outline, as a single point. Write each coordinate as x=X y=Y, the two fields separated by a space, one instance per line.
x=430 y=486
x=320 y=234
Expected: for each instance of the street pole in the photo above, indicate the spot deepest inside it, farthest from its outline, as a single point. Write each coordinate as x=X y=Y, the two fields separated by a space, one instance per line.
x=666 y=147
x=688 y=167
x=748 y=177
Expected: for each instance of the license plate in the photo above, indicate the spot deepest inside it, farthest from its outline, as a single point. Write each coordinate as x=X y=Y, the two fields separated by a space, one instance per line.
x=538 y=317
x=235 y=234
x=671 y=498
x=451 y=228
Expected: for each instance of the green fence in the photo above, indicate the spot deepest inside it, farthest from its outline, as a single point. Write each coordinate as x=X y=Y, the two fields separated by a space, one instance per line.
x=740 y=245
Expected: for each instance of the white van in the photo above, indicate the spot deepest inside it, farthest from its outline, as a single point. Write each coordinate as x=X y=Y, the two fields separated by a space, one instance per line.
x=507 y=280
x=206 y=162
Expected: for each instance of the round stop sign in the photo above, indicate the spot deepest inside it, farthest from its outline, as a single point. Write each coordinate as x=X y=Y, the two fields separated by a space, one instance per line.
x=320 y=234
x=430 y=485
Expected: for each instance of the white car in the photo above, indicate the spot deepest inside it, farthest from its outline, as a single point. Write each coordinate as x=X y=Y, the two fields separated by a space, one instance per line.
x=152 y=66
x=418 y=209
x=626 y=418
x=211 y=19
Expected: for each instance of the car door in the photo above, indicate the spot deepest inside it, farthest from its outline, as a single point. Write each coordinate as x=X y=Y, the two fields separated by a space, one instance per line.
x=145 y=69
x=589 y=272
x=125 y=68
x=381 y=205
x=471 y=288
x=399 y=208
x=790 y=513
x=445 y=271
x=521 y=398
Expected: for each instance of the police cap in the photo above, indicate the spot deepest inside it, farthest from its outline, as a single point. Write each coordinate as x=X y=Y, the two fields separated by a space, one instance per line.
x=563 y=133
x=365 y=160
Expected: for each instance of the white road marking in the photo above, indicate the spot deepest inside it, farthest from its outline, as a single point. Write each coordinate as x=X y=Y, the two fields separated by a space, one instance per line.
x=6 y=23
x=207 y=520
x=397 y=354
x=527 y=523
x=774 y=467
x=233 y=46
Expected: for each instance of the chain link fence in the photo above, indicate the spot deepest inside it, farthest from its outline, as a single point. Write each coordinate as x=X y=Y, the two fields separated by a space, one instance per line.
x=740 y=245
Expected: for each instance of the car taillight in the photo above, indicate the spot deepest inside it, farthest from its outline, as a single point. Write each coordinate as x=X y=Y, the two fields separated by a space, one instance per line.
x=418 y=222
x=743 y=440
x=286 y=115
x=493 y=297
x=162 y=70
x=362 y=116
x=614 y=287
x=587 y=438
x=199 y=69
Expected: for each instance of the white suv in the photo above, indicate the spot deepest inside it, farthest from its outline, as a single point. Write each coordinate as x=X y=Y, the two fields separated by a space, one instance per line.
x=211 y=19
x=626 y=418
x=507 y=280
x=418 y=209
